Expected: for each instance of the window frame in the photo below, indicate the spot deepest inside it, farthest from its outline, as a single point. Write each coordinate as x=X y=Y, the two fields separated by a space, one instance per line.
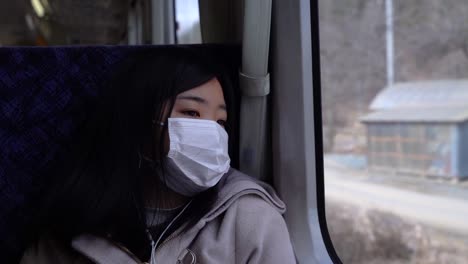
x=296 y=132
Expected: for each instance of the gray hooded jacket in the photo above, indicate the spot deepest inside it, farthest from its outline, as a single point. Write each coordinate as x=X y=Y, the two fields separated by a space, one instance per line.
x=244 y=226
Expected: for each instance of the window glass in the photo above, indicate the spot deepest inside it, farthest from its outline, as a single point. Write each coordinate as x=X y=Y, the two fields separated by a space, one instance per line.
x=55 y=22
x=395 y=133
x=89 y=22
x=188 y=22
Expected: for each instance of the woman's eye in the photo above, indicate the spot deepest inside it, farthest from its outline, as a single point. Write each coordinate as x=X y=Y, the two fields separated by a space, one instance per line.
x=191 y=113
x=222 y=122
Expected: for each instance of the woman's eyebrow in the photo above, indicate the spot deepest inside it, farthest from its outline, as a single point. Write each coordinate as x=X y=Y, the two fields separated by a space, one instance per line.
x=193 y=98
x=199 y=100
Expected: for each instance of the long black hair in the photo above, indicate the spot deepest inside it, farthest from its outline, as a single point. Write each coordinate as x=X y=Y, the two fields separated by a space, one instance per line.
x=98 y=187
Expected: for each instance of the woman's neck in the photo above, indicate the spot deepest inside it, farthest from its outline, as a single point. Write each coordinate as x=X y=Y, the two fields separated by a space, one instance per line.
x=158 y=195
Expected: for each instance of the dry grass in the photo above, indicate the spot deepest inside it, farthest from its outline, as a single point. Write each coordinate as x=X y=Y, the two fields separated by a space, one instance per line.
x=369 y=236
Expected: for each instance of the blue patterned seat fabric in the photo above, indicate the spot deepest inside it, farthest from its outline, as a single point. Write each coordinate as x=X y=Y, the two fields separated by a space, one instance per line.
x=44 y=94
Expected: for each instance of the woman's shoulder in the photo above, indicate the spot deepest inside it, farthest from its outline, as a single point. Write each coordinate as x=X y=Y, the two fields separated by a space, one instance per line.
x=256 y=220
x=50 y=250
x=237 y=186
x=250 y=216
x=83 y=249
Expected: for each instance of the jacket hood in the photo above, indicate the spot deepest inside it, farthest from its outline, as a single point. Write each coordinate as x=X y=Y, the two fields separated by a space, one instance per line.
x=234 y=185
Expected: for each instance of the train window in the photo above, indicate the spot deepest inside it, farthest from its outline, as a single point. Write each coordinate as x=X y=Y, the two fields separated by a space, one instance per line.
x=394 y=85
x=135 y=22
x=187 y=22
x=45 y=23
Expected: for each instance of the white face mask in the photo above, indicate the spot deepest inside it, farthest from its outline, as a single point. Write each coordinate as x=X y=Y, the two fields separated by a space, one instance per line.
x=198 y=155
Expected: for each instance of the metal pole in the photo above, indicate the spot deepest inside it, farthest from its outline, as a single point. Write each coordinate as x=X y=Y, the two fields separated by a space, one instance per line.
x=389 y=38
x=254 y=82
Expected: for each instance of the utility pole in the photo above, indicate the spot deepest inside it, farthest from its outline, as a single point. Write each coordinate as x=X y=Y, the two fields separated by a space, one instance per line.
x=389 y=38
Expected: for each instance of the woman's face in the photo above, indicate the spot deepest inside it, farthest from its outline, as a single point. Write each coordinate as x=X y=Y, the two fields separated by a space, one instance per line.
x=203 y=102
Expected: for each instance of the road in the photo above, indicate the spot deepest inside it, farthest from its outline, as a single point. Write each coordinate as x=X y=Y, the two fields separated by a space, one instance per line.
x=437 y=211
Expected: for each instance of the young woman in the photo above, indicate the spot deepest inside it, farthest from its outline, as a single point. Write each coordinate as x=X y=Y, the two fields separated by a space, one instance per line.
x=150 y=180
